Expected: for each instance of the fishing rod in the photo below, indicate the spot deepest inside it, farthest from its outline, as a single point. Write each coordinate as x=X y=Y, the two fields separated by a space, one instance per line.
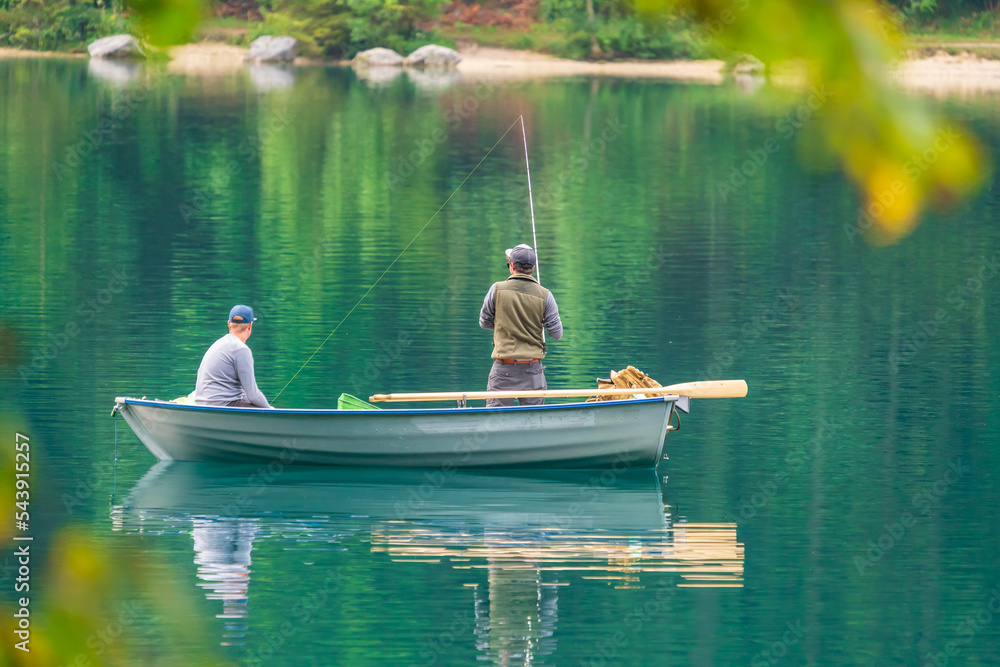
x=407 y=246
x=531 y=203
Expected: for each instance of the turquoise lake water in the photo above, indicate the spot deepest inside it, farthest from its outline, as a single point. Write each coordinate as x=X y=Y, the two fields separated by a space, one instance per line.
x=844 y=512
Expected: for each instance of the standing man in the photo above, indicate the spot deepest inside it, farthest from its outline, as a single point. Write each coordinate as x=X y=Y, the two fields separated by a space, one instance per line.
x=517 y=310
x=225 y=376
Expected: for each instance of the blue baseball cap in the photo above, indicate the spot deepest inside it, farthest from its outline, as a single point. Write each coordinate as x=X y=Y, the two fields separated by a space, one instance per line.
x=245 y=313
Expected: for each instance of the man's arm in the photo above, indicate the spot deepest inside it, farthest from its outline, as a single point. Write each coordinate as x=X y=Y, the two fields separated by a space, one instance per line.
x=244 y=370
x=551 y=318
x=488 y=311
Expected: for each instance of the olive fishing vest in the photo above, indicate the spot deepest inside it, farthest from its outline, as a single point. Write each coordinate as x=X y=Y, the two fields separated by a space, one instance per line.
x=518 y=320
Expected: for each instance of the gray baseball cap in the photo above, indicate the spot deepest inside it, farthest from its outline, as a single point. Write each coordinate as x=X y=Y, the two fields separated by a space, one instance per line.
x=522 y=254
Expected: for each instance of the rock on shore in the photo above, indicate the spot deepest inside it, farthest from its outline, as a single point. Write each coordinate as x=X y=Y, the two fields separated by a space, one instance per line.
x=433 y=55
x=378 y=57
x=430 y=55
x=116 y=46
x=270 y=49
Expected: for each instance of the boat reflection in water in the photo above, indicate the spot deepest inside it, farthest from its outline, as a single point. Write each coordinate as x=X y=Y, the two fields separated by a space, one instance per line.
x=530 y=532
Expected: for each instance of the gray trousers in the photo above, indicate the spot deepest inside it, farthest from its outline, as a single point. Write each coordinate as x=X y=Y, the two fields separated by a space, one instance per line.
x=512 y=377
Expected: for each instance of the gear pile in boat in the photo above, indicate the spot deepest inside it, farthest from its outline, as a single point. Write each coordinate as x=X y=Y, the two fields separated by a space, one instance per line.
x=628 y=378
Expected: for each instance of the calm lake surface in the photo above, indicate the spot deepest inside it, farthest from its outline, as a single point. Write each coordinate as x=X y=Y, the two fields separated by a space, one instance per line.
x=845 y=512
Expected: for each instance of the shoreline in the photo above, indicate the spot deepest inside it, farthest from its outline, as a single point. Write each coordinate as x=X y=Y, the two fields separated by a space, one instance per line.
x=935 y=74
x=8 y=53
x=943 y=74
x=489 y=63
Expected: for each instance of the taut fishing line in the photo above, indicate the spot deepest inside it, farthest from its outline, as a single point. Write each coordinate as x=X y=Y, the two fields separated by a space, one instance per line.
x=407 y=247
x=531 y=203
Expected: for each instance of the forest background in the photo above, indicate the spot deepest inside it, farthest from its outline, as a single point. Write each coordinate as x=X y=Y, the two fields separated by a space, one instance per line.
x=579 y=29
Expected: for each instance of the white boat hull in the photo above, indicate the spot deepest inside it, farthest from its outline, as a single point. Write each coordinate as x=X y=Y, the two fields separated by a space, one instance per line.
x=609 y=434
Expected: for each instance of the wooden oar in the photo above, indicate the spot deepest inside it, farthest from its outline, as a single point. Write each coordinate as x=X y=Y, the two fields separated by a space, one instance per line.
x=706 y=389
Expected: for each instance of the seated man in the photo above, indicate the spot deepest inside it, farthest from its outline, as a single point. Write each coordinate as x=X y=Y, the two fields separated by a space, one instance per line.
x=225 y=376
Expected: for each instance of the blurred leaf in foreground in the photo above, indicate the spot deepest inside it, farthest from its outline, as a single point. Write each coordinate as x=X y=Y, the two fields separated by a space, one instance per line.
x=96 y=606
x=169 y=22
x=901 y=157
x=88 y=604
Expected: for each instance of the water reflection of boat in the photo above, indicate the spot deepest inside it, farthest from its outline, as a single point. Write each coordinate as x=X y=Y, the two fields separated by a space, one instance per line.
x=529 y=534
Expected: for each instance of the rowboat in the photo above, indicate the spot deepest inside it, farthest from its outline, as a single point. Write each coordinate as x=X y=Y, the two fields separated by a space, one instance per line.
x=625 y=433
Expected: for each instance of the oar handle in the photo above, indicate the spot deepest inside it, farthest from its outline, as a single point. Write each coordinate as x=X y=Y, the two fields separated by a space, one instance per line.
x=705 y=389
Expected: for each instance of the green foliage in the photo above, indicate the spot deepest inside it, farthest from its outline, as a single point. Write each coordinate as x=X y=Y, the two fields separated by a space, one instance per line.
x=983 y=26
x=169 y=22
x=920 y=7
x=627 y=36
x=618 y=31
x=341 y=28
x=58 y=25
x=944 y=8
x=538 y=36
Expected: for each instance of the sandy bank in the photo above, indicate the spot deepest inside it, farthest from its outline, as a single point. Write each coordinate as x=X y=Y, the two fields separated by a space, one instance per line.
x=949 y=75
x=491 y=63
x=206 y=59
x=939 y=74
x=20 y=53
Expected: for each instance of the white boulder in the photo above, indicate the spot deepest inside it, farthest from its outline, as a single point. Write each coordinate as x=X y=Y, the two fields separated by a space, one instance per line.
x=378 y=57
x=268 y=49
x=433 y=55
x=749 y=65
x=116 y=46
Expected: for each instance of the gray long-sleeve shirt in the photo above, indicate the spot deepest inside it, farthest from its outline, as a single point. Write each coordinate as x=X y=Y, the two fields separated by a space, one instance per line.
x=550 y=318
x=226 y=375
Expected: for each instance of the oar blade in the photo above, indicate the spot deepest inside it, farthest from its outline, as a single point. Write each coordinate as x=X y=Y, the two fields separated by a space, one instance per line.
x=711 y=389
